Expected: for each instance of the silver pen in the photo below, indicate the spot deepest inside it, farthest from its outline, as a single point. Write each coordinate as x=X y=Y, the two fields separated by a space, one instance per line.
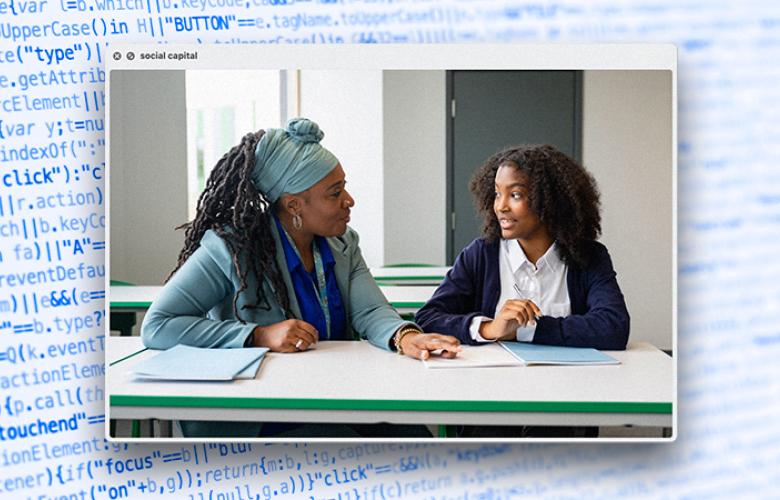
x=521 y=295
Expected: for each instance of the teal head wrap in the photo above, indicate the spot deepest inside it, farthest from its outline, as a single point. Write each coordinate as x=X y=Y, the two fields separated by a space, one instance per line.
x=291 y=160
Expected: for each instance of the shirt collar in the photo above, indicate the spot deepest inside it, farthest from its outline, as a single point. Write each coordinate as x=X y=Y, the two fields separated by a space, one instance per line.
x=291 y=256
x=518 y=259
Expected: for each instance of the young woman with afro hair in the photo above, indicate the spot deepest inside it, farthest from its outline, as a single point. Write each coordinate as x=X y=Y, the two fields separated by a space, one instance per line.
x=537 y=274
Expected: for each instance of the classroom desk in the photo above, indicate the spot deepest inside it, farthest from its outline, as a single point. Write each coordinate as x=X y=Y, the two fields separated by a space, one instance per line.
x=119 y=351
x=405 y=299
x=357 y=382
x=409 y=275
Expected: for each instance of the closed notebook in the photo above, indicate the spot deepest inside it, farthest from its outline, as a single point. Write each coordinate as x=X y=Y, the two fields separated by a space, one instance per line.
x=538 y=354
x=184 y=362
x=250 y=371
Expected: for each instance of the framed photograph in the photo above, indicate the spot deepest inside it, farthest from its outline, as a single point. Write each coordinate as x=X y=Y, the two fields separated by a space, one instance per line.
x=336 y=205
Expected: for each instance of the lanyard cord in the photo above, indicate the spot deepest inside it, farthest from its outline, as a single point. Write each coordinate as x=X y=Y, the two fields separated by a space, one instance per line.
x=321 y=287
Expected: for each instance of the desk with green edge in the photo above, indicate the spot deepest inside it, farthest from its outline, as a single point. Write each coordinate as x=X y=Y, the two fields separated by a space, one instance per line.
x=357 y=382
x=404 y=275
x=405 y=299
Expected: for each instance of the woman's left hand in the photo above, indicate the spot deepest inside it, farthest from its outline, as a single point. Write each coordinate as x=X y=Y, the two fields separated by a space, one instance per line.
x=422 y=345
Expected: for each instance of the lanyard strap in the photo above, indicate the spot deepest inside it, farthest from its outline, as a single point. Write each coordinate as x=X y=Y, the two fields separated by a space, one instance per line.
x=320 y=288
x=322 y=292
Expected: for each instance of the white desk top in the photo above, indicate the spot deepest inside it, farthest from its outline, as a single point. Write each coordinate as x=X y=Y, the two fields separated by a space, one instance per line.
x=355 y=376
x=132 y=297
x=120 y=348
x=403 y=298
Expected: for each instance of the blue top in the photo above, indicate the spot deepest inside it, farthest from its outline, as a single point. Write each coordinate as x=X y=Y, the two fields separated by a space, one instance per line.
x=307 y=290
x=472 y=287
x=195 y=307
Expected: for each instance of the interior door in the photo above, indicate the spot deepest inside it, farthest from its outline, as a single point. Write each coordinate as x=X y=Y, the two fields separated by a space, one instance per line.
x=491 y=110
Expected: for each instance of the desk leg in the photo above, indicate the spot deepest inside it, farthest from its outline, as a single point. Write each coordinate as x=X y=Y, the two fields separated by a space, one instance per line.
x=164 y=428
x=447 y=431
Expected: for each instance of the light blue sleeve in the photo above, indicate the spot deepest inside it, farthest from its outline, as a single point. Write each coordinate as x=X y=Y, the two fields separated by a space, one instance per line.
x=179 y=314
x=371 y=316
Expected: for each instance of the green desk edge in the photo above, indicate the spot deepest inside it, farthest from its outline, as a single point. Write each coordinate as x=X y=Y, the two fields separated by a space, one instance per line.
x=138 y=305
x=134 y=305
x=391 y=405
x=407 y=304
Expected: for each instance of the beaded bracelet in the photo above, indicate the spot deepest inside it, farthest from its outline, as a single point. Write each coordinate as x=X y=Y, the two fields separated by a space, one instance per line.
x=401 y=334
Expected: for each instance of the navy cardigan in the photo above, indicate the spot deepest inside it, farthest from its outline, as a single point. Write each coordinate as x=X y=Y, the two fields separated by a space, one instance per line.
x=598 y=319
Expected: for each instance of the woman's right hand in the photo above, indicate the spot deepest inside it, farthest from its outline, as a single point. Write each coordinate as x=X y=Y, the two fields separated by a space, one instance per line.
x=291 y=335
x=514 y=314
x=421 y=345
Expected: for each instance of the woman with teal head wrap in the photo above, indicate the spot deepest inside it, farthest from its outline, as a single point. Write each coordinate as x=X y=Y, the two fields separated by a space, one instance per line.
x=269 y=261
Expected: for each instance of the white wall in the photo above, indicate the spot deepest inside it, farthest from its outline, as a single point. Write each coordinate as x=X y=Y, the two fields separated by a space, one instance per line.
x=414 y=167
x=627 y=146
x=252 y=98
x=347 y=105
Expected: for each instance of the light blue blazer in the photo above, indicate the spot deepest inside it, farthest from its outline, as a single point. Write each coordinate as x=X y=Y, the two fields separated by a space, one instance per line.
x=196 y=306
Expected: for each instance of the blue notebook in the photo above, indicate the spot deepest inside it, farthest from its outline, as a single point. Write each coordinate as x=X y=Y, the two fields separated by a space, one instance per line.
x=184 y=362
x=538 y=354
x=250 y=371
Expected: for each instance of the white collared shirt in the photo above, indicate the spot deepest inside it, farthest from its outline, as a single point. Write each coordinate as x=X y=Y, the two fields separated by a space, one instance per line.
x=543 y=283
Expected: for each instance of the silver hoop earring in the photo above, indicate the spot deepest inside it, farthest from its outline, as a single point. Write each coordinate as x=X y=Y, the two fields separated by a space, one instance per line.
x=297 y=221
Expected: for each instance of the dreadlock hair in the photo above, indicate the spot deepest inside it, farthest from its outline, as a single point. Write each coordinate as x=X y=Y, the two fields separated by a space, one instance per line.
x=240 y=214
x=561 y=193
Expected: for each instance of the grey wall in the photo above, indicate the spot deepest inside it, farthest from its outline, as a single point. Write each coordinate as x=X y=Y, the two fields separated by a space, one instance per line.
x=627 y=145
x=148 y=174
x=414 y=167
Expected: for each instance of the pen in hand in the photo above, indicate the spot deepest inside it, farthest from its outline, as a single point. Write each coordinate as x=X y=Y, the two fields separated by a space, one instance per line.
x=521 y=295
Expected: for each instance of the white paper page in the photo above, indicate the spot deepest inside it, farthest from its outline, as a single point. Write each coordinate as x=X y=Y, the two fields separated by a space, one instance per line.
x=475 y=357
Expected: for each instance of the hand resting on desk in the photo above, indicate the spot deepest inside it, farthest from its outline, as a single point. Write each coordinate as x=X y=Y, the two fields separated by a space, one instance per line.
x=291 y=335
x=294 y=335
x=424 y=345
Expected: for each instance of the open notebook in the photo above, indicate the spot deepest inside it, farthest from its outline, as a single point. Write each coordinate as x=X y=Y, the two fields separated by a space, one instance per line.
x=520 y=354
x=475 y=356
x=538 y=354
x=184 y=362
